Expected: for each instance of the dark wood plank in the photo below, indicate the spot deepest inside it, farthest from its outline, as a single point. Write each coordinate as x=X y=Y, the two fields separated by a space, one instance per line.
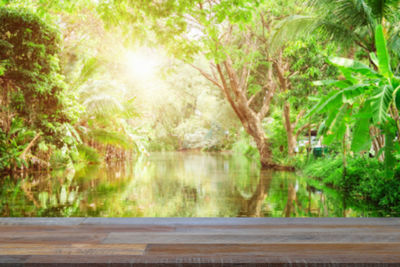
x=329 y=253
x=289 y=227
x=51 y=237
x=76 y=259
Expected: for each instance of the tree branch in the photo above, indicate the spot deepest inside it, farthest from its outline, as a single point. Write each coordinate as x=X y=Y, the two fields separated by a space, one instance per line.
x=268 y=97
x=207 y=76
x=232 y=77
x=253 y=97
x=302 y=128
x=228 y=96
x=299 y=116
x=246 y=69
x=281 y=75
x=22 y=156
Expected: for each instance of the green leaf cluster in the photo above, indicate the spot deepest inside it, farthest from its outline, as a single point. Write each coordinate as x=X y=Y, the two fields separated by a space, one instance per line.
x=365 y=98
x=33 y=90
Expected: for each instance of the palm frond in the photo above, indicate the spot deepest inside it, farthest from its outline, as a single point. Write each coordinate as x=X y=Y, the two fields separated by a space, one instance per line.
x=103 y=105
x=384 y=9
x=89 y=68
x=336 y=32
x=130 y=110
x=355 y=19
x=88 y=154
x=394 y=39
x=289 y=29
x=337 y=20
x=107 y=137
x=350 y=12
x=362 y=10
x=105 y=87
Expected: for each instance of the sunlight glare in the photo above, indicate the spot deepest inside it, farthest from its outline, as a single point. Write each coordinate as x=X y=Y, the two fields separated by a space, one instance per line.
x=141 y=63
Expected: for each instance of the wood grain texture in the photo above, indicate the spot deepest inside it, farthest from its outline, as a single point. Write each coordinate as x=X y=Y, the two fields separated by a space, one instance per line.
x=51 y=237
x=71 y=249
x=183 y=242
x=253 y=238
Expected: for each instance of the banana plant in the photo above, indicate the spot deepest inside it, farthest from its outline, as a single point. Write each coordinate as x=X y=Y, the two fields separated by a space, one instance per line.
x=364 y=98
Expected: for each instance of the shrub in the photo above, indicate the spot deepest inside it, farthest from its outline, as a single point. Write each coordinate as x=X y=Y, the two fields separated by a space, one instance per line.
x=363 y=180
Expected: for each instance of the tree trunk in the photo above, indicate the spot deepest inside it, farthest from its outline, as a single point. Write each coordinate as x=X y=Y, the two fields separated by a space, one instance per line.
x=291 y=137
x=254 y=128
x=264 y=150
x=234 y=89
x=290 y=128
x=234 y=83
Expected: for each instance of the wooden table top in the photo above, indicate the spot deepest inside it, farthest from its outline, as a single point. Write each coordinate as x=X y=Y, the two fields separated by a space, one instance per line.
x=200 y=241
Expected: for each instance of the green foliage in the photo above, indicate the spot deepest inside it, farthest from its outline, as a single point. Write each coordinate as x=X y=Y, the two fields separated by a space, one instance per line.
x=364 y=99
x=97 y=113
x=88 y=154
x=108 y=137
x=165 y=22
x=33 y=91
x=363 y=181
x=60 y=159
x=188 y=113
x=355 y=21
x=361 y=131
x=108 y=108
x=382 y=53
x=13 y=143
x=307 y=60
x=348 y=23
x=246 y=146
x=30 y=47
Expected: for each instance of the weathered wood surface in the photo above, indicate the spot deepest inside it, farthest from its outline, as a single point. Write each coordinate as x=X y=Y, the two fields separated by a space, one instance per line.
x=199 y=241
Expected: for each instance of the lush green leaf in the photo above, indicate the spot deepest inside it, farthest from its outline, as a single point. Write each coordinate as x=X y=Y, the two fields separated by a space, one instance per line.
x=361 y=140
x=382 y=53
x=380 y=103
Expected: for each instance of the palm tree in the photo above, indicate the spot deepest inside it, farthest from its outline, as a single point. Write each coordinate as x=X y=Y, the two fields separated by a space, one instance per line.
x=347 y=22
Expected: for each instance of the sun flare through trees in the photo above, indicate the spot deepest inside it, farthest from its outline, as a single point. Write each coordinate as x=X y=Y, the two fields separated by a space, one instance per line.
x=290 y=108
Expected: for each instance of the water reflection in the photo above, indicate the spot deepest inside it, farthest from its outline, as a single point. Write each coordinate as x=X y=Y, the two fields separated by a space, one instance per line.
x=172 y=185
x=251 y=207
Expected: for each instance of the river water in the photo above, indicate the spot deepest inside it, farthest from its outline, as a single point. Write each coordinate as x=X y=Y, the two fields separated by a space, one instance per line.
x=173 y=184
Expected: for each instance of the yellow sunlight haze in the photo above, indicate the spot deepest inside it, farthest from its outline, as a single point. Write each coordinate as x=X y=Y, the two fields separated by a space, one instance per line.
x=141 y=63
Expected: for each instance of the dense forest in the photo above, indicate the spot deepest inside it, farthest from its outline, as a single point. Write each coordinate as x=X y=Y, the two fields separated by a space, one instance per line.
x=311 y=87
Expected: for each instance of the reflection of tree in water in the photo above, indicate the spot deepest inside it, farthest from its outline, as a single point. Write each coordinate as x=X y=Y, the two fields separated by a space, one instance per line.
x=291 y=200
x=251 y=207
x=176 y=184
x=276 y=194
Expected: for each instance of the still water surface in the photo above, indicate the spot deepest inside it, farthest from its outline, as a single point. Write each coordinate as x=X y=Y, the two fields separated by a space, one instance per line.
x=175 y=184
